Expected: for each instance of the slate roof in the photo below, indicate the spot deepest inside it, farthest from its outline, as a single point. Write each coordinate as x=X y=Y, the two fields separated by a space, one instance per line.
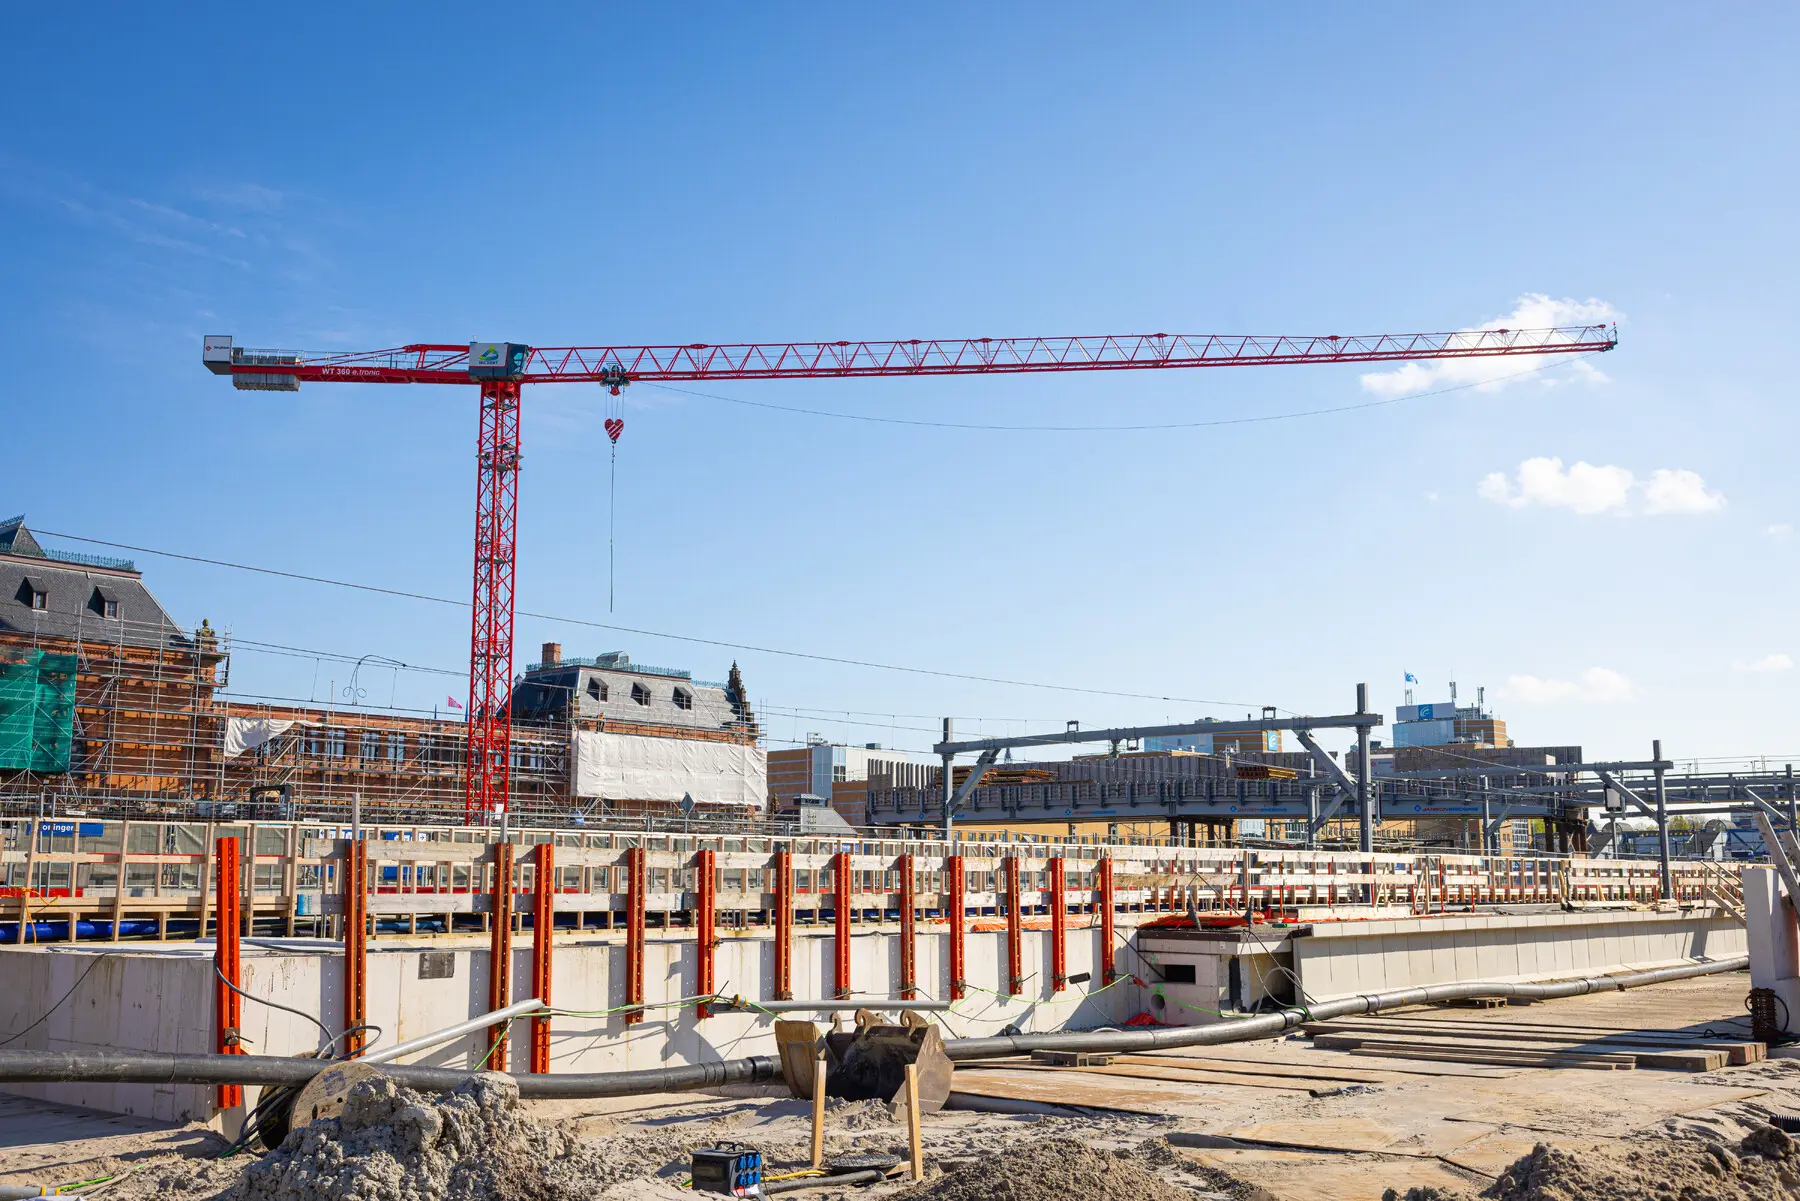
x=544 y=696
x=74 y=596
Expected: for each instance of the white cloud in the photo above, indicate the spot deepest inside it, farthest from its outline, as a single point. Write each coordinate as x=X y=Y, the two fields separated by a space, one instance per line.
x=1679 y=491
x=1768 y=664
x=1780 y=529
x=1589 y=489
x=1533 y=311
x=1584 y=487
x=1597 y=686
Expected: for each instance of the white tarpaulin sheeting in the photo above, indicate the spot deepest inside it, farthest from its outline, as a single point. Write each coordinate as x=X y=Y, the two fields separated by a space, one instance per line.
x=633 y=767
x=247 y=733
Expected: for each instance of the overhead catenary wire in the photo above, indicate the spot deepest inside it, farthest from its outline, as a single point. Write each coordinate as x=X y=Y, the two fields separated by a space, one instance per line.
x=840 y=660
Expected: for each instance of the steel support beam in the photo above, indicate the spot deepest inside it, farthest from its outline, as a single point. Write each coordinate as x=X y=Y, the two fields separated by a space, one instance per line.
x=706 y=927
x=909 y=930
x=1662 y=822
x=227 y=1004
x=500 y=932
x=840 y=885
x=636 y=902
x=784 y=925
x=1059 y=924
x=957 y=911
x=1106 y=922
x=1015 y=926
x=356 y=943
x=543 y=945
x=1363 y=720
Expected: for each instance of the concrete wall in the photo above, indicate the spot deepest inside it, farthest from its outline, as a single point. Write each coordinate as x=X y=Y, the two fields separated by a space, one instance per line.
x=1341 y=959
x=142 y=999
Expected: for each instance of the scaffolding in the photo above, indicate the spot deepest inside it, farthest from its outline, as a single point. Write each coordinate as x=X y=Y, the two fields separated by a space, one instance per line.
x=130 y=720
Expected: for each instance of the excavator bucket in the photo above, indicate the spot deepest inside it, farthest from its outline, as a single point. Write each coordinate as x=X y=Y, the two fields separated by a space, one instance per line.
x=871 y=1064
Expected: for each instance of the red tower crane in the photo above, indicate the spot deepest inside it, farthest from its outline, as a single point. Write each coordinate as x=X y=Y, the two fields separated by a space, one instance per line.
x=501 y=369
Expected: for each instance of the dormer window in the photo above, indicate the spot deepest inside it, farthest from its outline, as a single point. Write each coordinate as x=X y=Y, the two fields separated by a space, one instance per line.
x=104 y=603
x=33 y=595
x=597 y=690
x=684 y=699
x=640 y=694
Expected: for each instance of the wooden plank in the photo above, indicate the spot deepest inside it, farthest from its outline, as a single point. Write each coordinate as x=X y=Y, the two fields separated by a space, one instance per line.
x=1686 y=1060
x=1478 y=1058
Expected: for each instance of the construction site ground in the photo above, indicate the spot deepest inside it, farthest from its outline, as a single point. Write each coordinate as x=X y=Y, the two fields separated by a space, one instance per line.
x=1278 y=1118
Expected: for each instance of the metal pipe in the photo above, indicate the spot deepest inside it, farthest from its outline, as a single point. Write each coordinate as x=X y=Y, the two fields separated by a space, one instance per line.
x=1270 y=1024
x=450 y=1033
x=156 y=1068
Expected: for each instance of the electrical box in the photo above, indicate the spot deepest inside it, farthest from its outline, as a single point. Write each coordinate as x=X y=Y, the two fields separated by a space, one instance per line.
x=728 y=1171
x=497 y=360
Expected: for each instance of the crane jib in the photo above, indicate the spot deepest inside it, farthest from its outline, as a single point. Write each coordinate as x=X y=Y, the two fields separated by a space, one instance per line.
x=500 y=368
x=614 y=365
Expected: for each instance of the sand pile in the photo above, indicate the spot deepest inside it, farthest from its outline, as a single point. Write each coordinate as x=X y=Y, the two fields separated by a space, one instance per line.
x=1764 y=1166
x=1055 y=1169
x=473 y=1143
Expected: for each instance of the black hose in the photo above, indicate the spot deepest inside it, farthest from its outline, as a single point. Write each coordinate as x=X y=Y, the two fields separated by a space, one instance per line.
x=1271 y=1024
x=155 y=1068
x=806 y=1182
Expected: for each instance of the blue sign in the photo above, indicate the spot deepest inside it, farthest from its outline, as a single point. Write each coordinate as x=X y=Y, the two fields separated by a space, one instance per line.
x=70 y=829
x=1425 y=712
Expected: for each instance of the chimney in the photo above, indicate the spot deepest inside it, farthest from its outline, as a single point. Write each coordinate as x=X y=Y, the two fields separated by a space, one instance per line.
x=552 y=654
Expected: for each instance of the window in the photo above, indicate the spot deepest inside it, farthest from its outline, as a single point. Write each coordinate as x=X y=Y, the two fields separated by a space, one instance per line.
x=597 y=689
x=40 y=599
x=110 y=608
x=104 y=603
x=640 y=694
x=334 y=743
x=1178 y=973
x=684 y=699
x=396 y=747
x=369 y=746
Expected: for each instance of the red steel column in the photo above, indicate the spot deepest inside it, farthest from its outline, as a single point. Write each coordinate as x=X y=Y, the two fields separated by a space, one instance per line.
x=784 y=926
x=1059 y=927
x=356 y=942
x=1106 y=922
x=909 y=962
x=1015 y=970
x=227 y=1005
x=636 y=898
x=840 y=885
x=488 y=768
x=500 y=951
x=543 y=934
x=953 y=903
x=706 y=934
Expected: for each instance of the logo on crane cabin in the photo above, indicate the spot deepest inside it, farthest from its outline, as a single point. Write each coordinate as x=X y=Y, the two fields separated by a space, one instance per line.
x=497 y=360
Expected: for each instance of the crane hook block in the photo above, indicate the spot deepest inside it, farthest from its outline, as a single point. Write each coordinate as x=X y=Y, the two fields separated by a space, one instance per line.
x=497 y=360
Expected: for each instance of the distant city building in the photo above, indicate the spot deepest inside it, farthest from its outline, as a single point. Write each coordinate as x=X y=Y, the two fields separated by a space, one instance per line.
x=1249 y=742
x=838 y=774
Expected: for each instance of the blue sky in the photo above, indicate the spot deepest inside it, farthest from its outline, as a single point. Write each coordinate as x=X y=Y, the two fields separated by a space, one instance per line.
x=348 y=178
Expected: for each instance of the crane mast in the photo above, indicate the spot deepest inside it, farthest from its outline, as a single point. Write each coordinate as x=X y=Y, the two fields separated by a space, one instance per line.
x=501 y=369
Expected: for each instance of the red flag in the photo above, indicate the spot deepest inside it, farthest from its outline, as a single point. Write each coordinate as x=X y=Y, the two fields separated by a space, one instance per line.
x=453 y=703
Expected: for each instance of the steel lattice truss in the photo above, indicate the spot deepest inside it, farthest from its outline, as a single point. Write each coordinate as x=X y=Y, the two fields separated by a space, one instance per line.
x=444 y=364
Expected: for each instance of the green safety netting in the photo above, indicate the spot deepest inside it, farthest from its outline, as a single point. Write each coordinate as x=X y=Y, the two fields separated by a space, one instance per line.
x=37 y=712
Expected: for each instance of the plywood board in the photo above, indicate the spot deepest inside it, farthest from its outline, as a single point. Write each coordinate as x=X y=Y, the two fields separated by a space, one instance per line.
x=1080 y=1088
